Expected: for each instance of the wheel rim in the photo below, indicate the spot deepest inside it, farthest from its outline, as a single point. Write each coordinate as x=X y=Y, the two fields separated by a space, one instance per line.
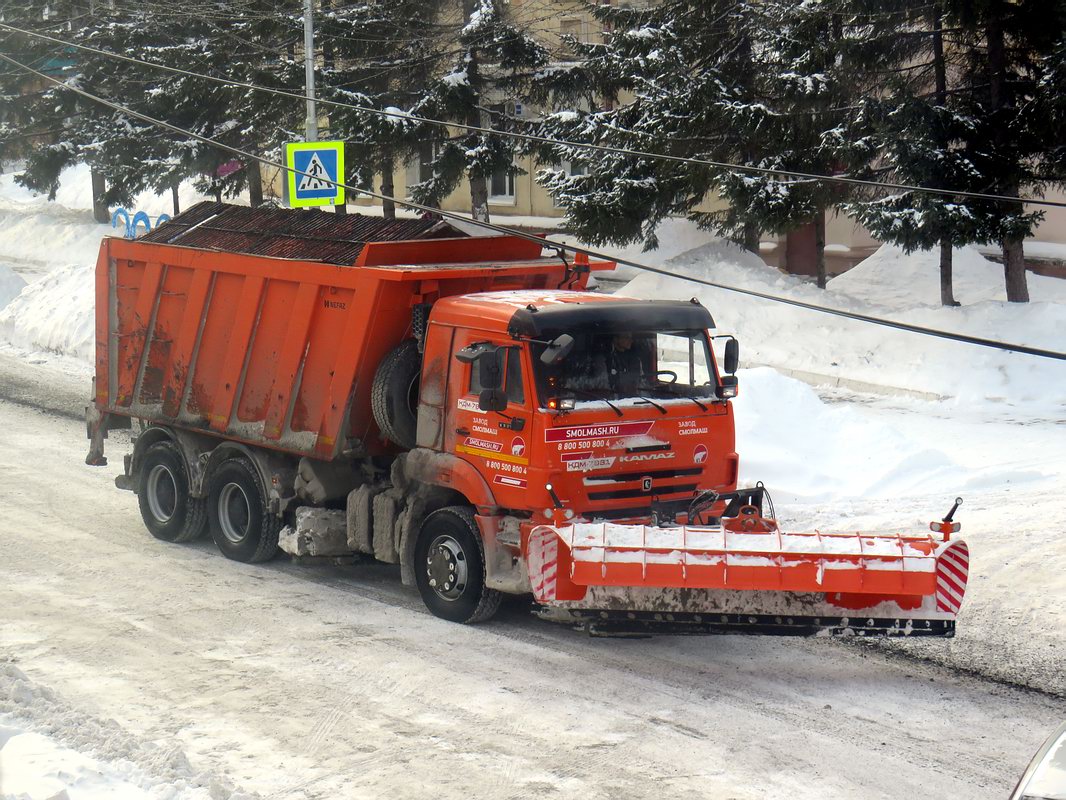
x=234 y=512
x=412 y=393
x=447 y=568
x=162 y=493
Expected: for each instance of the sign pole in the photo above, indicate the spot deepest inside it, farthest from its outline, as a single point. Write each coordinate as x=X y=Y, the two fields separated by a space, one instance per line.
x=311 y=125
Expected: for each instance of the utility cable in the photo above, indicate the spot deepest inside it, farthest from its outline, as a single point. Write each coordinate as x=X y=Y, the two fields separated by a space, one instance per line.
x=530 y=137
x=888 y=323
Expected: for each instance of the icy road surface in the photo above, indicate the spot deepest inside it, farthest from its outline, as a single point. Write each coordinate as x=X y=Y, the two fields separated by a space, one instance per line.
x=321 y=682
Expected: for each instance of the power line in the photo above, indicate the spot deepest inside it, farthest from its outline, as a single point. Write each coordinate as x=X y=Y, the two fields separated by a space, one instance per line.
x=769 y=171
x=558 y=246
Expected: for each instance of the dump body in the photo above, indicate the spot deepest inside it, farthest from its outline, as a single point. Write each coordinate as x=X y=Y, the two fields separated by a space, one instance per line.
x=276 y=352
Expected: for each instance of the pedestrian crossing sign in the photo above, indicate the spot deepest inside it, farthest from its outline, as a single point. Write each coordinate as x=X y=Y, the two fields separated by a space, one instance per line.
x=315 y=169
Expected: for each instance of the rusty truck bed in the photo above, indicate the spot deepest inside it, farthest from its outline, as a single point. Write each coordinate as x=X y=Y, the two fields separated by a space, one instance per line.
x=280 y=352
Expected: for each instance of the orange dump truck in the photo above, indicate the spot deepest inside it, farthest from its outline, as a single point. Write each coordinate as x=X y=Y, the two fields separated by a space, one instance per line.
x=465 y=407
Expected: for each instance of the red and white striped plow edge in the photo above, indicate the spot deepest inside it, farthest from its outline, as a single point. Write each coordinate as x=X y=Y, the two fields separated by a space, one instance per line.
x=952 y=572
x=542 y=562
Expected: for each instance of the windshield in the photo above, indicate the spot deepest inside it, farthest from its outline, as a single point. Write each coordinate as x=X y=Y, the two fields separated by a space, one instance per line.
x=618 y=365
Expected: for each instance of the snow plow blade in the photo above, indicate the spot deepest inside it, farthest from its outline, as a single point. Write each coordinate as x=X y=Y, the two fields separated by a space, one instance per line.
x=742 y=574
x=629 y=623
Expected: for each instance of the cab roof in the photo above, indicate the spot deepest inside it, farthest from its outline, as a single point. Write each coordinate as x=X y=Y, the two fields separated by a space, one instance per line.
x=534 y=313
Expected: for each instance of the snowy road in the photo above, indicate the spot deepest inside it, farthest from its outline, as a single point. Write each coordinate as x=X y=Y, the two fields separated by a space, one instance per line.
x=318 y=681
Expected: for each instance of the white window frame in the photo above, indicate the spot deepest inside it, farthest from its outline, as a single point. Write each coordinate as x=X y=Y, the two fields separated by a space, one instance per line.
x=568 y=168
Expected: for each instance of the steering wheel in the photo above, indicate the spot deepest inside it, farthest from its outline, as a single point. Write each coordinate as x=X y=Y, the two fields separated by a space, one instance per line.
x=670 y=372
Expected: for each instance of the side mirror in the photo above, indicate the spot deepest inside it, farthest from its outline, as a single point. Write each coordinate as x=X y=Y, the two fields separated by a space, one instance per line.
x=558 y=350
x=492 y=400
x=489 y=360
x=490 y=368
x=732 y=356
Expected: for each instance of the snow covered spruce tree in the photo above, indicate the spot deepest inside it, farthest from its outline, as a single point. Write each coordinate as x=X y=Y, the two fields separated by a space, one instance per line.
x=678 y=77
x=1006 y=45
x=238 y=43
x=753 y=84
x=493 y=60
x=923 y=138
x=381 y=54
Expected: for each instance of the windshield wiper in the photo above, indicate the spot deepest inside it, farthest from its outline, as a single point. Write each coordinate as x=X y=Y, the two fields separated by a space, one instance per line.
x=676 y=393
x=594 y=396
x=643 y=399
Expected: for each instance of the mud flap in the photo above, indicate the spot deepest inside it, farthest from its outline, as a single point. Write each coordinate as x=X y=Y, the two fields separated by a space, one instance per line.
x=96 y=431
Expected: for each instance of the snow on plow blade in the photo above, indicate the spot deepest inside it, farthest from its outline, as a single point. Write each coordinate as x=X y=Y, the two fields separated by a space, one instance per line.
x=704 y=579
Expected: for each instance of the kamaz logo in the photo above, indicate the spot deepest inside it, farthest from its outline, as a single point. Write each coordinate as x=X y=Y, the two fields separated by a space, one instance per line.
x=645 y=457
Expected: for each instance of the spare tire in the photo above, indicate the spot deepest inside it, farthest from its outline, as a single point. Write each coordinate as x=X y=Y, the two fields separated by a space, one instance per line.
x=394 y=395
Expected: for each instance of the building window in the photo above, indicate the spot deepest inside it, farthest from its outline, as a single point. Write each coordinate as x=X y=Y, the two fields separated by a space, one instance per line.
x=501 y=186
x=570 y=169
x=427 y=154
x=574 y=28
x=502 y=181
x=420 y=170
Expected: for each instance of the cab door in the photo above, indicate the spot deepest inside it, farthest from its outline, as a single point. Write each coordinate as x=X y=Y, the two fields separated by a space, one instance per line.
x=496 y=442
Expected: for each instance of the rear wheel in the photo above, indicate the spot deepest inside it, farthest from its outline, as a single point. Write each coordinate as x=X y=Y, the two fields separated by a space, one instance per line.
x=450 y=567
x=168 y=511
x=241 y=523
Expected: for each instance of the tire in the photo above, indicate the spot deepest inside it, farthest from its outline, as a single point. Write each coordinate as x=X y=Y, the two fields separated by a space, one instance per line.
x=394 y=394
x=240 y=522
x=450 y=567
x=168 y=510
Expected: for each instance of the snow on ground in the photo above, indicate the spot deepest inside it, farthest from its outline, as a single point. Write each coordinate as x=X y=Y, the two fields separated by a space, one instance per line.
x=801 y=341
x=316 y=681
x=54 y=314
x=11 y=284
x=51 y=249
x=49 y=750
x=795 y=442
x=894 y=280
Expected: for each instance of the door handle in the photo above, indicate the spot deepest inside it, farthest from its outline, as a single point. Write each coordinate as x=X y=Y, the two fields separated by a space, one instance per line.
x=462 y=431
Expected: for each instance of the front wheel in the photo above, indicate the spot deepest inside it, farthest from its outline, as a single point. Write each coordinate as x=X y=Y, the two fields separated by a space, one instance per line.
x=241 y=523
x=450 y=567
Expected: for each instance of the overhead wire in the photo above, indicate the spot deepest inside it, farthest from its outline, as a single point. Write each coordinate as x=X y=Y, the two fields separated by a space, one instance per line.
x=558 y=246
x=563 y=143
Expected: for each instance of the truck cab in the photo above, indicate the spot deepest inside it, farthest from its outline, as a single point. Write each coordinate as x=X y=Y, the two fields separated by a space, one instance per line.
x=579 y=405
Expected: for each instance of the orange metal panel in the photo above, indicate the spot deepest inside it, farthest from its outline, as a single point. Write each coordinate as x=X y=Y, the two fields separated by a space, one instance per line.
x=103 y=316
x=177 y=377
x=290 y=360
x=273 y=321
x=237 y=351
x=449 y=251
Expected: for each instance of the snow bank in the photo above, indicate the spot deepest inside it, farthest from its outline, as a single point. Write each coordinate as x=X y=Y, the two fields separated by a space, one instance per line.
x=805 y=448
x=10 y=285
x=798 y=340
x=676 y=236
x=892 y=279
x=49 y=750
x=51 y=249
x=75 y=193
x=54 y=314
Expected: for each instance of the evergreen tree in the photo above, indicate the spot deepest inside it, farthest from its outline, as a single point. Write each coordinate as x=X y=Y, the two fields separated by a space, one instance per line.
x=493 y=60
x=238 y=43
x=923 y=138
x=757 y=84
x=1005 y=46
x=381 y=54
